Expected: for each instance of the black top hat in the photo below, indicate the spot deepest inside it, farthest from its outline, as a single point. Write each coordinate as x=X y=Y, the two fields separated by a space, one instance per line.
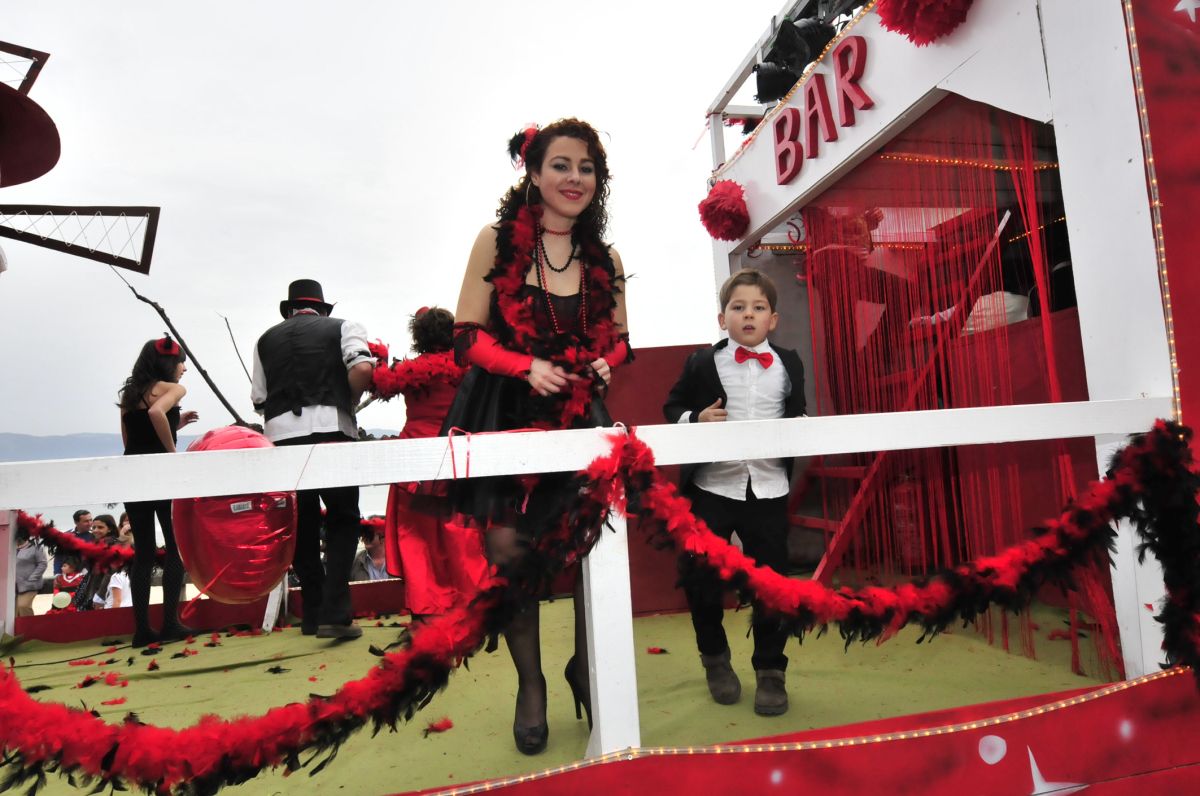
x=305 y=293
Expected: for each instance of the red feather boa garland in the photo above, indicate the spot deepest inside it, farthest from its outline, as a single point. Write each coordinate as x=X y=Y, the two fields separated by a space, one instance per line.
x=407 y=376
x=922 y=21
x=100 y=557
x=1153 y=482
x=724 y=212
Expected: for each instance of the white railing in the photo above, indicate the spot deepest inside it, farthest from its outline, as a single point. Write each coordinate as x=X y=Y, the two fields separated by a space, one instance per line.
x=31 y=485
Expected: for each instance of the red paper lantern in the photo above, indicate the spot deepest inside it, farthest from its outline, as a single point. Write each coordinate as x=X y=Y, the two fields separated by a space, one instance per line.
x=724 y=212
x=235 y=547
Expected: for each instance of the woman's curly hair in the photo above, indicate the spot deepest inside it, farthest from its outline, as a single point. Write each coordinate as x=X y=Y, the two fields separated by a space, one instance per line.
x=593 y=221
x=432 y=330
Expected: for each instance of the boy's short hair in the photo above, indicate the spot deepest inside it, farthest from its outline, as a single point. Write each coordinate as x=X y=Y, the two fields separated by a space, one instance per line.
x=749 y=276
x=79 y=513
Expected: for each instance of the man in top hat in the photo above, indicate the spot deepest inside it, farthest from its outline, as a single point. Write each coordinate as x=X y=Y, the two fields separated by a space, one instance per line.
x=309 y=373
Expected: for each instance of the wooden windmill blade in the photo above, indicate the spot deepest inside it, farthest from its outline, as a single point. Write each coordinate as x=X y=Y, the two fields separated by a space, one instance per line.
x=122 y=236
x=115 y=235
x=20 y=66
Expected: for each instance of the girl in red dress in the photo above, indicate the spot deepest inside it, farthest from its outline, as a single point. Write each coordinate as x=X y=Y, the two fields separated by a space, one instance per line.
x=439 y=563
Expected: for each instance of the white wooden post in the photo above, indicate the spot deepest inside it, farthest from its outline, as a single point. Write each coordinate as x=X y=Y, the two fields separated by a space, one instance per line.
x=8 y=571
x=276 y=605
x=608 y=606
x=1102 y=169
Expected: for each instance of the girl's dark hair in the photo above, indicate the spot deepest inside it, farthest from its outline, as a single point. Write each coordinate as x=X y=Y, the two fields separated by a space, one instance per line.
x=150 y=367
x=593 y=221
x=432 y=330
x=108 y=520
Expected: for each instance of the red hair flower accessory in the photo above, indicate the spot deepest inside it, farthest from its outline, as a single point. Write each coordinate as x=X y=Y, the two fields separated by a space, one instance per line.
x=724 y=212
x=518 y=145
x=167 y=347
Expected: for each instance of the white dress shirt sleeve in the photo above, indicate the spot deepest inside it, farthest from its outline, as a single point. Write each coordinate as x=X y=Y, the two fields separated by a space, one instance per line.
x=258 y=384
x=354 y=345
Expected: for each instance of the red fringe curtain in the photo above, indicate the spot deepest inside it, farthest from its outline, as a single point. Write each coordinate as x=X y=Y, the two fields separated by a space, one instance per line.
x=922 y=265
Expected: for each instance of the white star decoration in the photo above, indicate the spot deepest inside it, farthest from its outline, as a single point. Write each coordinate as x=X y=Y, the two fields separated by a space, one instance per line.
x=1189 y=7
x=1041 y=786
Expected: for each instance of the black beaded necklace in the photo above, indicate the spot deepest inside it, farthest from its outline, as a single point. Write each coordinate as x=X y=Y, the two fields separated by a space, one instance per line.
x=545 y=258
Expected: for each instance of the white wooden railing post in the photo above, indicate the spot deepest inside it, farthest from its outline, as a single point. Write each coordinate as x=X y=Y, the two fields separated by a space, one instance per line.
x=8 y=571
x=276 y=605
x=608 y=608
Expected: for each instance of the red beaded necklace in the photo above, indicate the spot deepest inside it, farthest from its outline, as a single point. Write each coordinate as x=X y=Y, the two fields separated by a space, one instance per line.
x=549 y=231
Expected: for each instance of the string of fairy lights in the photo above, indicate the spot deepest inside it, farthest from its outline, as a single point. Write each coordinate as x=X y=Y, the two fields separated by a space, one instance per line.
x=929 y=160
x=805 y=746
x=1155 y=207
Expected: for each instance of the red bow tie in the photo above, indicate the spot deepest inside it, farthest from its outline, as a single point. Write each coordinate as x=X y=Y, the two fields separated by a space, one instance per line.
x=742 y=354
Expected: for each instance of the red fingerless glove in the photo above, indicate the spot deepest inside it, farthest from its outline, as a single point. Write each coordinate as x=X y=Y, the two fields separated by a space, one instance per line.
x=473 y=344
x=620 y=354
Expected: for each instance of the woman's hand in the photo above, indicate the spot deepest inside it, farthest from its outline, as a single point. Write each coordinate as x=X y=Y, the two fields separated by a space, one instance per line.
x=188 y=417
x=603 y=370
x=547 y=378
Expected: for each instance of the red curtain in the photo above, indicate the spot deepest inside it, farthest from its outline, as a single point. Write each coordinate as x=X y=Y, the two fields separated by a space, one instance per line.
x=939 y=277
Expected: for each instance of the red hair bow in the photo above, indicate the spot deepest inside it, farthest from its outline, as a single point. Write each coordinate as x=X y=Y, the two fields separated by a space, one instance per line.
x=167 y=347
x=530 y=134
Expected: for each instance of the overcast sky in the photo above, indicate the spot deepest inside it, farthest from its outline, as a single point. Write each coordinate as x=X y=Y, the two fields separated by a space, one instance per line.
x=362 y=145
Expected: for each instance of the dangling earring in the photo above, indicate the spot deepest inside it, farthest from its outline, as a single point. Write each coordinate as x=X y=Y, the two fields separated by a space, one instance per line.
x=528 y=201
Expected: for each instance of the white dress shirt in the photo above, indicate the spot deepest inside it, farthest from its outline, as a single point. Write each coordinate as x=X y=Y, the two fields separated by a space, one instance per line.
x=312 y=419
x=752 y=393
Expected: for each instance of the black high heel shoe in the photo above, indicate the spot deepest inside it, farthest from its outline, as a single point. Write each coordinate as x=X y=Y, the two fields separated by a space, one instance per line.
x=582 y=694
x=531 y=740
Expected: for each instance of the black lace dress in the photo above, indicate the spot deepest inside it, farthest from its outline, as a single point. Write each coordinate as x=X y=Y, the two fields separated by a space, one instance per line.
x=486 y=402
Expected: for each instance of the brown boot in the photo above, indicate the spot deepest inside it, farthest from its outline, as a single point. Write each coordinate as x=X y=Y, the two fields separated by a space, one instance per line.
x=723 y=682
x=770 y=697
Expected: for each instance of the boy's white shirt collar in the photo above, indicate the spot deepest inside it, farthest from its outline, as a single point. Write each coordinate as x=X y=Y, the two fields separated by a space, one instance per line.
x=765 y=345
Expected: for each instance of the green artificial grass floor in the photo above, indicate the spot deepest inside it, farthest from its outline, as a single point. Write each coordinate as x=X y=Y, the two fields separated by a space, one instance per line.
x=827 y=687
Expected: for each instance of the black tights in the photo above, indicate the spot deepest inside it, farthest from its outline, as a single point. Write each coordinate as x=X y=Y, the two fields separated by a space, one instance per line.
x=141 y=522
x=523 y=634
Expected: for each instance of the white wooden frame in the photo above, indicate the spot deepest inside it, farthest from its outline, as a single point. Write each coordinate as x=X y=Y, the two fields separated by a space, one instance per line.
x=1059 y=61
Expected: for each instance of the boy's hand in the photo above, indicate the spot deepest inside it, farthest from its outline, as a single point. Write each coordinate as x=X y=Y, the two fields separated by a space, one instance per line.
x=713 y=413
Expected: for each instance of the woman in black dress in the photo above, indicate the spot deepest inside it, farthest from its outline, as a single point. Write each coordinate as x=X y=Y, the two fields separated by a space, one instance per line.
x=541 y=317
x=150 y=419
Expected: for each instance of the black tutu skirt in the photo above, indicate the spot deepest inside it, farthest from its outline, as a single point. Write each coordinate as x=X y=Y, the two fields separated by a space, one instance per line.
x=486 y=402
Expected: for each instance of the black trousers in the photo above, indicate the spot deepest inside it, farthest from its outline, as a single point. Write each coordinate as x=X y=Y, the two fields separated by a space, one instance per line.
x=762 y=525
x=145 y=554
x=325 y=588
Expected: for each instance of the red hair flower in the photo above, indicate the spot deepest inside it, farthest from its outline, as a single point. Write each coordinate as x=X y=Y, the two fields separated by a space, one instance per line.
x=167 y=347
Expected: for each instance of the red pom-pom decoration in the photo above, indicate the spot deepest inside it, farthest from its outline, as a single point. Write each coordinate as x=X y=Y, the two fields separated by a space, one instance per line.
x=236 y=547
x=724 y=211
x=922 y=21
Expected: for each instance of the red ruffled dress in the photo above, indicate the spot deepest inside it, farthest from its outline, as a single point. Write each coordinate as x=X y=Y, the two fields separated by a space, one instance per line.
x=439 y=563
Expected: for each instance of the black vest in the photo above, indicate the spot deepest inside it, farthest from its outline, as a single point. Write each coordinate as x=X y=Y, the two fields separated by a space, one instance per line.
x=302 y=362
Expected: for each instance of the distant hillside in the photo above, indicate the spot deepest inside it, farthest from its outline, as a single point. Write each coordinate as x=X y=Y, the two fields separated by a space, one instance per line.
x=29 y=448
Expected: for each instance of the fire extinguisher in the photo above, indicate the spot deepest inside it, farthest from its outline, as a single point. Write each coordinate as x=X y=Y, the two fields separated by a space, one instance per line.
x=906 y=531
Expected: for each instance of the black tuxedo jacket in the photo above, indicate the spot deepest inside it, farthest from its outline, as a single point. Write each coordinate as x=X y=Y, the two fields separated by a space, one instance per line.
x=699 y=386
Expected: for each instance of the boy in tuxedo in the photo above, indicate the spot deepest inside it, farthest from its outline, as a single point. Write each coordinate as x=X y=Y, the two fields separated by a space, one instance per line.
x=742 y=377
